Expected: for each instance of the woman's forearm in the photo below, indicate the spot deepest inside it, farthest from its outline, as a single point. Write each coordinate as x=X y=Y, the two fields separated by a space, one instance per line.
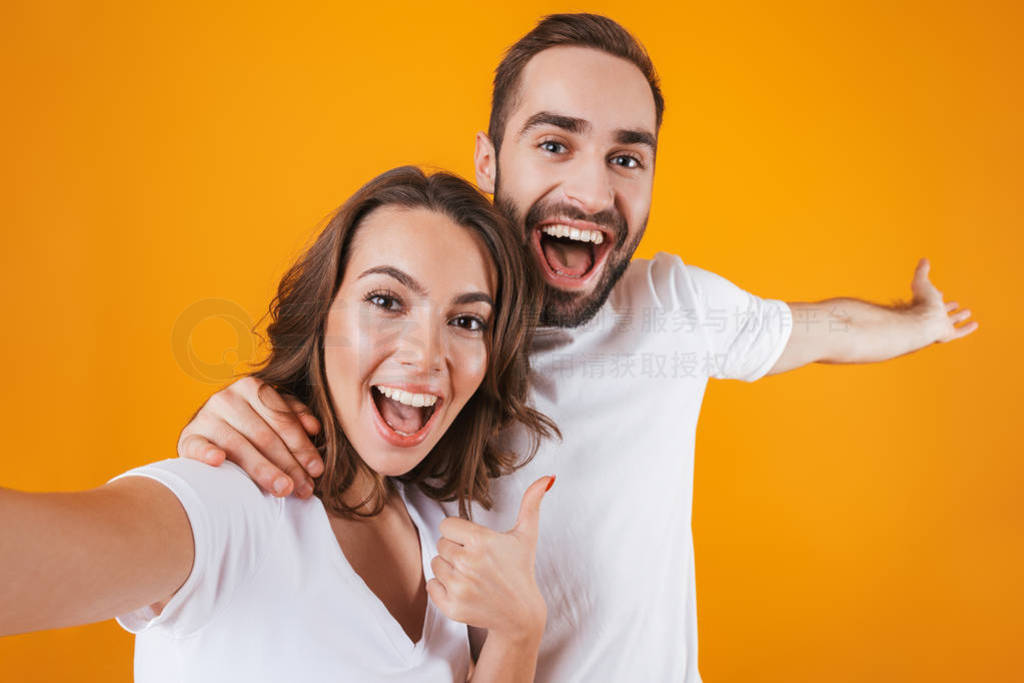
x=505 y=660
x=76 y=558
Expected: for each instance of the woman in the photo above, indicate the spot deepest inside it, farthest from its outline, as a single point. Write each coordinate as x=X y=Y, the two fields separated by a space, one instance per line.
x=404 y=327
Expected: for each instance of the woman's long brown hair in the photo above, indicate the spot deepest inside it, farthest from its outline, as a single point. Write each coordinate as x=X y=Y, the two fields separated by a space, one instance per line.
x=467 y=457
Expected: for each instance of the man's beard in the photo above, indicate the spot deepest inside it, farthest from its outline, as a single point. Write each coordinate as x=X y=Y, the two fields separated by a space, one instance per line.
x=572 y=309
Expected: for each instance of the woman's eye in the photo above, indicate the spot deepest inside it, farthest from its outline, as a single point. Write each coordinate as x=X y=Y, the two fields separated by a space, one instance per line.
x=626 y=161
x=470 y=323
x=553 y=147
x=385 y=301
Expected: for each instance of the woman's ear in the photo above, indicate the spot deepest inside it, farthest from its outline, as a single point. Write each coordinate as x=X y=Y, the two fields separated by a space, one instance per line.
x=484 y=163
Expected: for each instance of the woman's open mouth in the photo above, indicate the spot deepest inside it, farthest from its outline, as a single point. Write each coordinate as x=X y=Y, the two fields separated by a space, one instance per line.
x=570 y=254
x=403 y=417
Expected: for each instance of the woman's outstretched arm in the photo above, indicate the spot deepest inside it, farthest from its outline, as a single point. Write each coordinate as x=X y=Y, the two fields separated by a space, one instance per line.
x=75 y=558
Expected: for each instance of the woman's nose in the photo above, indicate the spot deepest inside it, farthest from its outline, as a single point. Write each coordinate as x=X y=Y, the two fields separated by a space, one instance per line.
x=421 y=345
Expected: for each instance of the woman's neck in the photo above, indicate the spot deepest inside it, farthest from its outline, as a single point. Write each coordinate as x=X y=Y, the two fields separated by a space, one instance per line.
x=361 y=490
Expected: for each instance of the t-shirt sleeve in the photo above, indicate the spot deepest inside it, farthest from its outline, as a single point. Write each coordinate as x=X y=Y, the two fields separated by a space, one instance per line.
x=745 y=334
x=232 y=526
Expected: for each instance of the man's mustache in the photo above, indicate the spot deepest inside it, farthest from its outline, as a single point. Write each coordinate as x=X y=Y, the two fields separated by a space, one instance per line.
x=609 y=218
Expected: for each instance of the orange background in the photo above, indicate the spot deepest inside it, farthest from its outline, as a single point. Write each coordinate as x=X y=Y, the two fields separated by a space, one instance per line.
x=851 y=523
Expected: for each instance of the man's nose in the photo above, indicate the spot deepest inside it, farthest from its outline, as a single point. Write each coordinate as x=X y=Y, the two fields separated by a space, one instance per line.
x=588 y=187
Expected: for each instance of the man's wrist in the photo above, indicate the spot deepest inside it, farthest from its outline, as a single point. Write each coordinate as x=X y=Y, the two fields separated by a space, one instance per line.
x=925 y=327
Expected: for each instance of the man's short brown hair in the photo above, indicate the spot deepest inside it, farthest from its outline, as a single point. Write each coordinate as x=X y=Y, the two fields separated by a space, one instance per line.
x=555 y=30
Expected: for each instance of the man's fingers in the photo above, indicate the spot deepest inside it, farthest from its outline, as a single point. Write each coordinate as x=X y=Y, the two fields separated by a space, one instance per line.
x=277 y=411
x=196 y=447
x=245 y=455
x=305 y=415
x=529 y=510
x=960 y=316
x=951 y=306
x=966 y=330
x=240 y=413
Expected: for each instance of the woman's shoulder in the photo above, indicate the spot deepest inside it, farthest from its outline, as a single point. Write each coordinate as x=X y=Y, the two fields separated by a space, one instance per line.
x=186 y=469
x=200 y=485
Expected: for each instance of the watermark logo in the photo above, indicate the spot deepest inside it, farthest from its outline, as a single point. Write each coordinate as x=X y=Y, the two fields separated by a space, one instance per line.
x=199 y=314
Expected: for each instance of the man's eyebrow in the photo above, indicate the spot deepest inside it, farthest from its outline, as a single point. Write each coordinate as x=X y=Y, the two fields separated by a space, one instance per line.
x=403 y=277
x=569 y=124
x=636 y=137
x=573 y=124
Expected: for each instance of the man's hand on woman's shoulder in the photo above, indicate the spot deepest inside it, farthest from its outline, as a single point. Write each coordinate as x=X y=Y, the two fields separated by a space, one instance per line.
x=263 y=432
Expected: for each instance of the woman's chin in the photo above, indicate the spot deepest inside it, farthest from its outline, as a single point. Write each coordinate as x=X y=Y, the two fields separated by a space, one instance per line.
x=394 y=465
x=394 y=461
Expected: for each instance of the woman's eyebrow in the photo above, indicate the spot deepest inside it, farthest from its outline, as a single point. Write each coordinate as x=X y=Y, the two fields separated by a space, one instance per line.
x=473 y=297
x=403 y=277
x=410 y=282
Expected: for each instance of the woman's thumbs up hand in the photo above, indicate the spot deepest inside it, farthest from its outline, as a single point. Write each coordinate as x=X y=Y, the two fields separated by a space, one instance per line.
x=484 y=578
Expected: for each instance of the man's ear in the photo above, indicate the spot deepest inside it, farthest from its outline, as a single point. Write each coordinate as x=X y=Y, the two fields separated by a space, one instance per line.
x=485 y=163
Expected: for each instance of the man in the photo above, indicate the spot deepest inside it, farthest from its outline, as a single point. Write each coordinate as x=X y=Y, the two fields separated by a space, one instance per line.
x=621 y=360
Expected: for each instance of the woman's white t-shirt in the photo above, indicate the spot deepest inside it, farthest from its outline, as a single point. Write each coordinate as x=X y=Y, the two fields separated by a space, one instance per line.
x=271 y=596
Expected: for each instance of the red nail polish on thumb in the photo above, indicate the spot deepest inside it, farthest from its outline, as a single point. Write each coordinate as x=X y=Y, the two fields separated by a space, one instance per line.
x=551 y=482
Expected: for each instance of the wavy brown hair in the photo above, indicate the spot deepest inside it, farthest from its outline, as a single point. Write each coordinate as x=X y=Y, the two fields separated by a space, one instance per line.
x=462 y=463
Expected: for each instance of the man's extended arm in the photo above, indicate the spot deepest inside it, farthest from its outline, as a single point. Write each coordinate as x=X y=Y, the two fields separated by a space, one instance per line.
x=853 y=331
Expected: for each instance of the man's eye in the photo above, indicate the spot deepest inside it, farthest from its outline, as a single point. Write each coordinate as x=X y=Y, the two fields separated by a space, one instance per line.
x=388 y=302
x=553 y=147
x=626 y=161
x=470 y=323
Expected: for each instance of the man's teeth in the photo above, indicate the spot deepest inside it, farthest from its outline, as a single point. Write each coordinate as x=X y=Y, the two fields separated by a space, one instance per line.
x=409 y=399
x=595 y=236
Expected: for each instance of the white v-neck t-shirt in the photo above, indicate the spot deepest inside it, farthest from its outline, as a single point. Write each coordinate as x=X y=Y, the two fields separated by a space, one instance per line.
x=615 y=557
x=271 y=597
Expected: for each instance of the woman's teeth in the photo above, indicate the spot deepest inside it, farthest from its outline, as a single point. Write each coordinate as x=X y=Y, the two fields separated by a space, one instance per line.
x=595 y=236
x=407 y=398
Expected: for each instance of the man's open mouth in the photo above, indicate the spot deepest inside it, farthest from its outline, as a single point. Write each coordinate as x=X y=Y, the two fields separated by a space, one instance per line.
x=570 y=253
x=405 y=414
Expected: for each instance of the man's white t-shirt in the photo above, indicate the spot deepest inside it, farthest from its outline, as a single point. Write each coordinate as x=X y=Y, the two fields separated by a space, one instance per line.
x=271 y=597
x=615 y=553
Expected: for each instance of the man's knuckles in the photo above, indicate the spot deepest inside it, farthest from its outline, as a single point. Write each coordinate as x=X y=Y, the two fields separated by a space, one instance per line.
x=219 y=404
x=248 y=385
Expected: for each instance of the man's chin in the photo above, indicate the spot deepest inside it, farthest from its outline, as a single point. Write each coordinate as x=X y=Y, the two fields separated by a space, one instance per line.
x=567 y=309
x=570 y=308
